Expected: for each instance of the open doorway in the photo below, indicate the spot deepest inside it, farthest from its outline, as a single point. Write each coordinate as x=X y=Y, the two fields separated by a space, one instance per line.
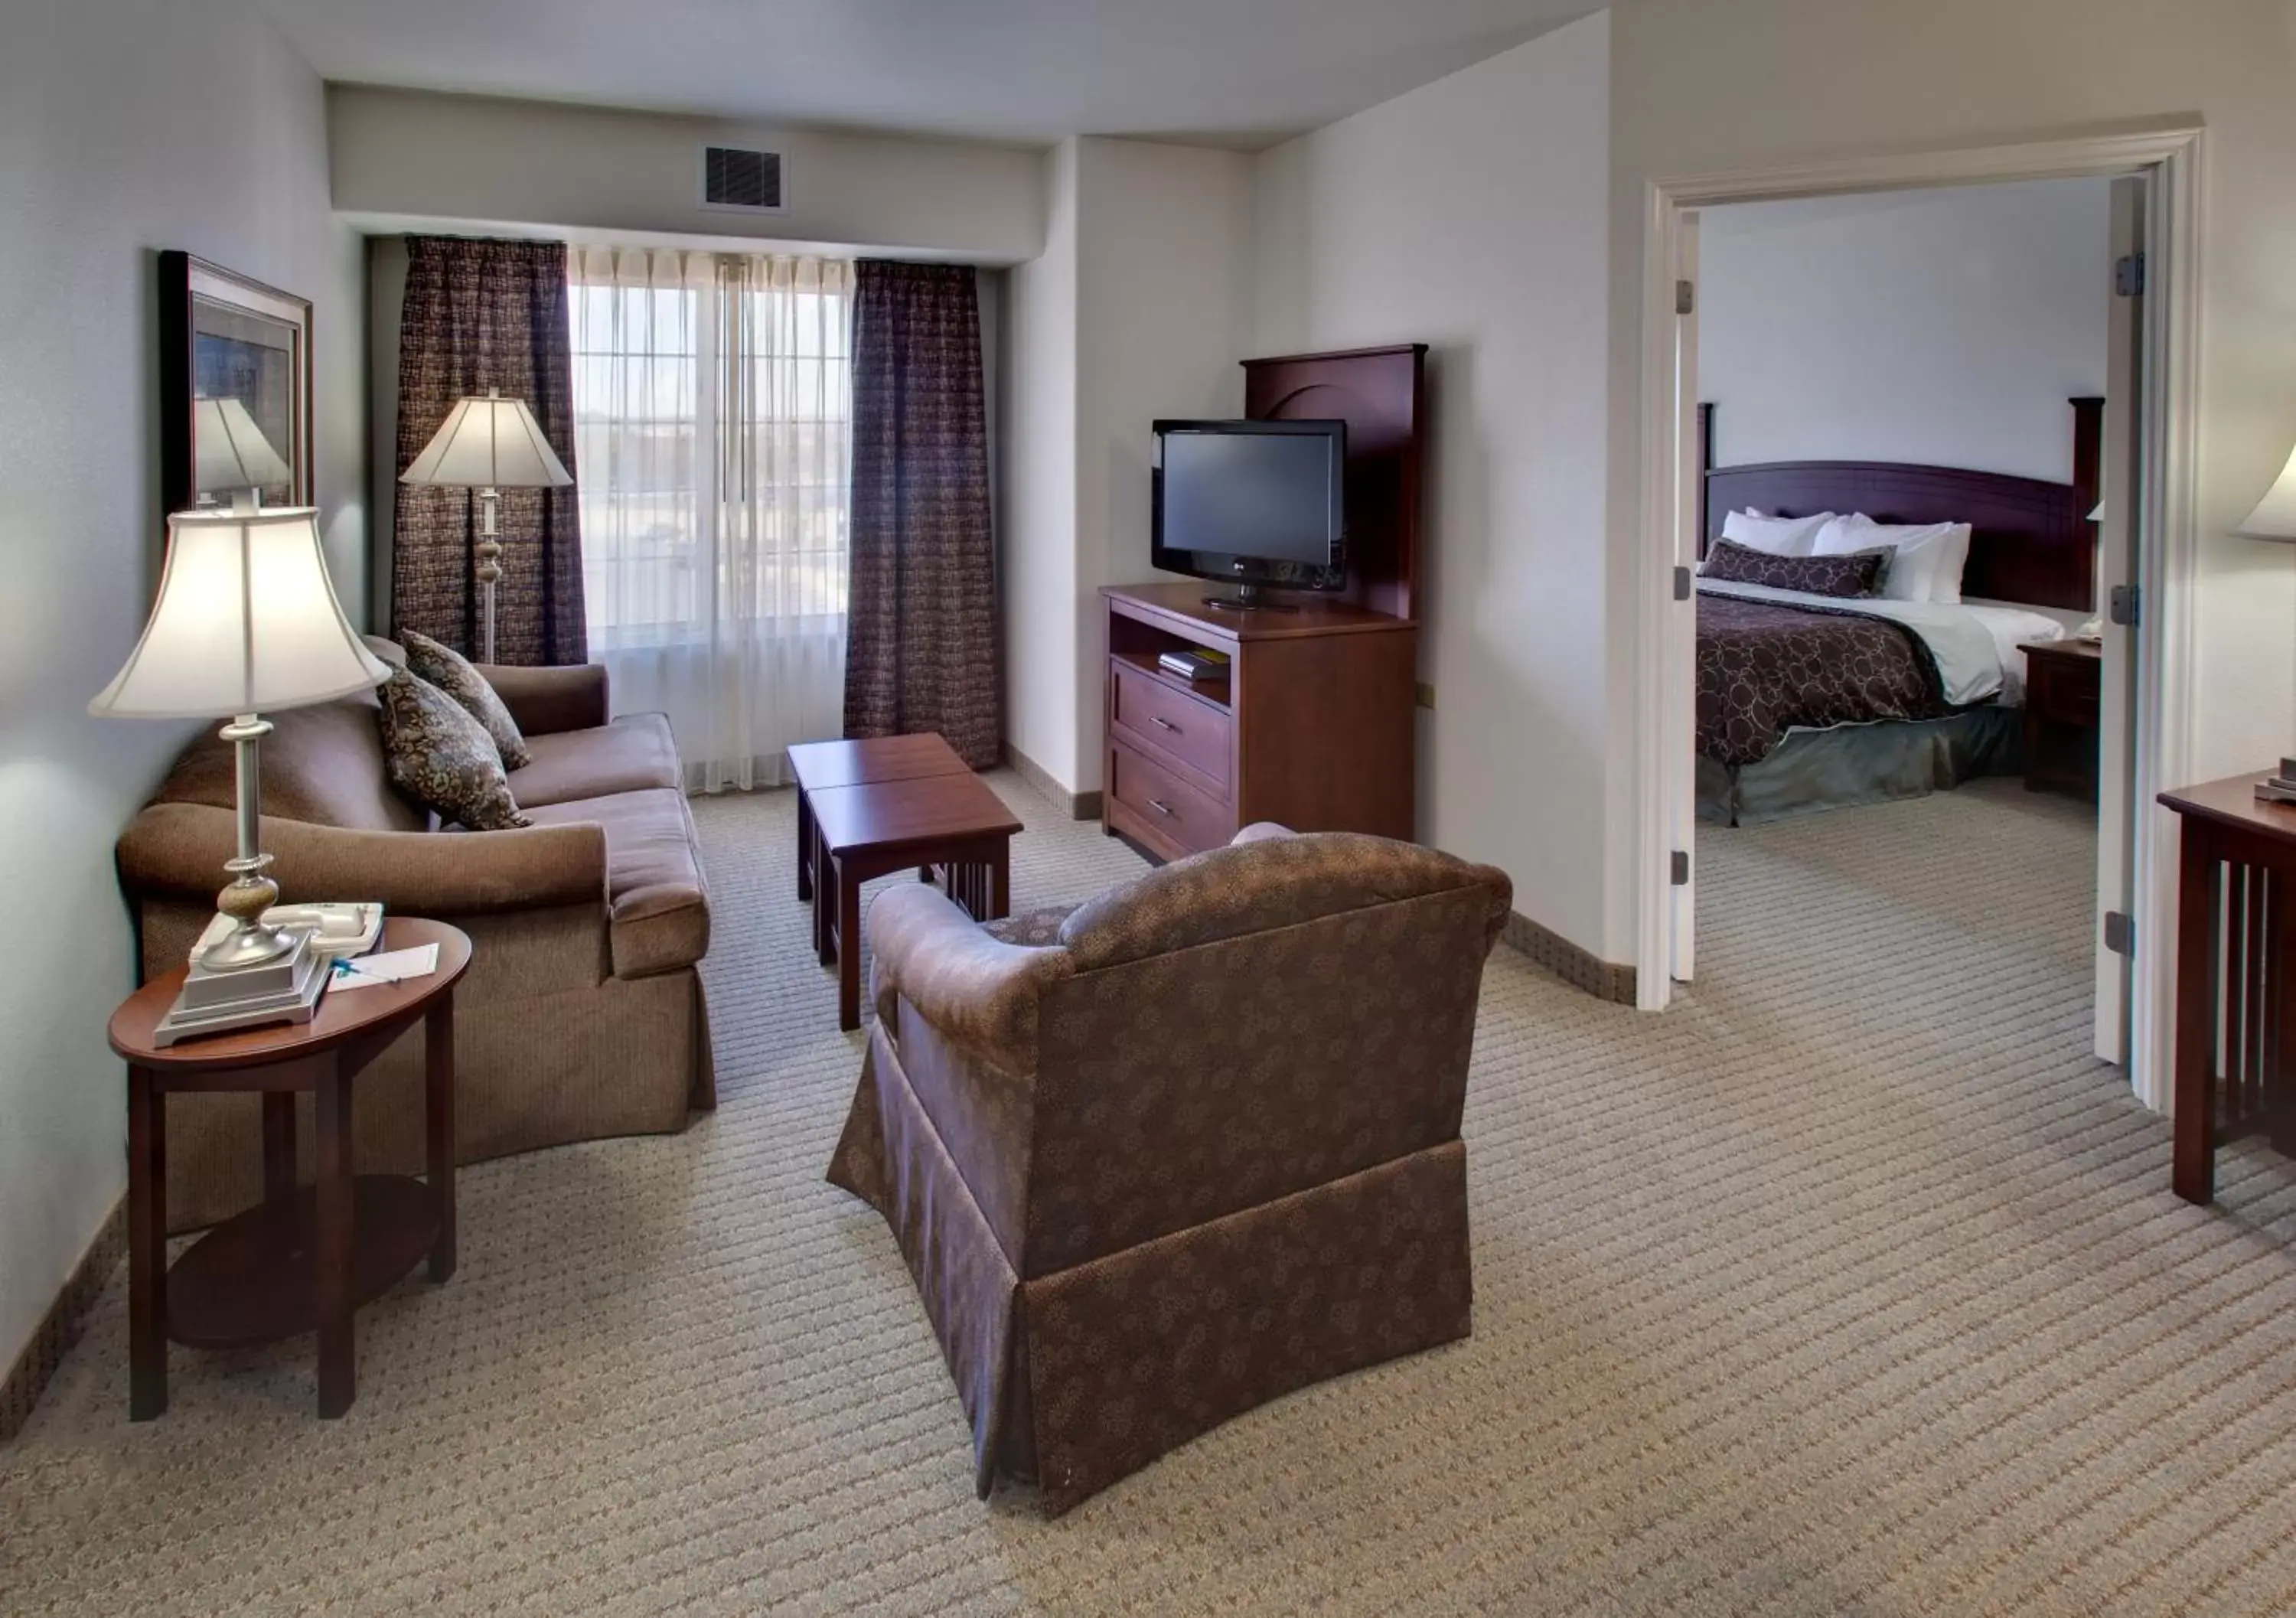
x=2112 y=525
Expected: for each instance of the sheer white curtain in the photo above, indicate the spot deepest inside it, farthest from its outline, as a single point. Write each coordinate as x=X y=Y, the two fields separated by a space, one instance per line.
x=712 y=398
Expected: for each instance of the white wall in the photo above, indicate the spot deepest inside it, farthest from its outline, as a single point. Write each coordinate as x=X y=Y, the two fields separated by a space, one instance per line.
x=1471 y=214
x=401 y=155
x=1138 y=308
x=1037 y=560
x=1844 y=76
x=1163 y=321
x=125 y=126
x=1946 y=328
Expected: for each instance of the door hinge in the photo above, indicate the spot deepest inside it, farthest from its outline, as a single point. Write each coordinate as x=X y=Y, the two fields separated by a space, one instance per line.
x=1682 y=584
x=2120 y=933
x=2128 y=275
x=1685 y=298
x=1678 y=869
x=2123 y=605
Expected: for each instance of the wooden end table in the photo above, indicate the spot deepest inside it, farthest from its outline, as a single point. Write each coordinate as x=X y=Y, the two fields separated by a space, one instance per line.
x=2235 y=969
x=954 y=823
x=300 y=1260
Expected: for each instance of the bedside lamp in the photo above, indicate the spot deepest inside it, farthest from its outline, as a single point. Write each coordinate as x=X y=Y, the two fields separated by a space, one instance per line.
x=246 y=620
x=488 y=444
x=2274 y=518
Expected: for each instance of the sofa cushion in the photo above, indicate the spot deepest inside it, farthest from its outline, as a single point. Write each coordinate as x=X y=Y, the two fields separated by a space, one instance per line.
x=659 y=916
x=454 y=674
x=441 y=756
x=633 y=754
x=323 y=764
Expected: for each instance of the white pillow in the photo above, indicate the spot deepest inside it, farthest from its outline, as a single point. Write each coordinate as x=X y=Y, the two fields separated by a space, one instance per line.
x=1777 y=535
x=1929 y=558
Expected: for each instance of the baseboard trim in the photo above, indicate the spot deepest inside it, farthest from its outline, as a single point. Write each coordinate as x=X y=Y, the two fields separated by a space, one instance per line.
x=1079 y=806
x=61 y=1327
x=1580 y=968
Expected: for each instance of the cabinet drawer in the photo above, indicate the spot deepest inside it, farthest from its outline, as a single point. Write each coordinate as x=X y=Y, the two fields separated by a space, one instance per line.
x=1194 y=733
x=1182 y=816
x=2061 y=691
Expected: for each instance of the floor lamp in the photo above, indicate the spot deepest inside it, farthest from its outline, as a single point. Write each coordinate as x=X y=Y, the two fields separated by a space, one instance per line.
x=488 y=444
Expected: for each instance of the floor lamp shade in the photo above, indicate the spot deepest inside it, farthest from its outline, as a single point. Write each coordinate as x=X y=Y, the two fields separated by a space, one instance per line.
x=247 y=621
x=2275 y=516
x=489 y=443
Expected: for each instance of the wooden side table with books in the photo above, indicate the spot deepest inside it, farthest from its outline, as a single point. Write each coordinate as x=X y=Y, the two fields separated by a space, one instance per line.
x=301 y=1259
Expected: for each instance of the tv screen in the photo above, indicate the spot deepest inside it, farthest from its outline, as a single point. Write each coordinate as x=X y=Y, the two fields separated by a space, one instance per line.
x=1258 y=502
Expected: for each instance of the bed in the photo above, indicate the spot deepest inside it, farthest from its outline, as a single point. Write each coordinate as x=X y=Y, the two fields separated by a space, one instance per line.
x=1807 y=702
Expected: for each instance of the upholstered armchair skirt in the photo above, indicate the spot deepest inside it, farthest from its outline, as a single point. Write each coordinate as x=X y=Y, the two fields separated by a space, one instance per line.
x=1199 y=1149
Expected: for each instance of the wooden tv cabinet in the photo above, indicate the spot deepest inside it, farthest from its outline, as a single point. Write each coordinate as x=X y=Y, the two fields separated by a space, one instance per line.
x=1313 y=725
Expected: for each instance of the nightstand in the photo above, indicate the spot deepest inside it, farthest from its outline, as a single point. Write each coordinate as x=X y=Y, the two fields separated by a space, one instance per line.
x=2061 y=682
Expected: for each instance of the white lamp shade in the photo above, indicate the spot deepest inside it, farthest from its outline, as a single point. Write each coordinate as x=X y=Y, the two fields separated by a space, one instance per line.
x=489 y=443
x=2275 y=516
x=247 y=621
x=229 y=450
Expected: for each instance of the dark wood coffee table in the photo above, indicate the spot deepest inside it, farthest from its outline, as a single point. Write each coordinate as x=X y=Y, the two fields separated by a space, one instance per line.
x=298 y=1261
x=953 y=825
x=817 y=765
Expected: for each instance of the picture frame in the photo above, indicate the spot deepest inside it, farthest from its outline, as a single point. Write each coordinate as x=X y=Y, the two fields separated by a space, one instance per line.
x=234 y=366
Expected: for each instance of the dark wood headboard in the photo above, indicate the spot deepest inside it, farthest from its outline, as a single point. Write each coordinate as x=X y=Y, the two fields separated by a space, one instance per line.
x=2033 y=542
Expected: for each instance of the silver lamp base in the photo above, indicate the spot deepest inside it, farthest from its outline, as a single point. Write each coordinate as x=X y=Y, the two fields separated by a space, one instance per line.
x=285 y=989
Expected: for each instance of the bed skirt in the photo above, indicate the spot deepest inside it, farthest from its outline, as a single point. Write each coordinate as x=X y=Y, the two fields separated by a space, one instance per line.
x=1852 y=764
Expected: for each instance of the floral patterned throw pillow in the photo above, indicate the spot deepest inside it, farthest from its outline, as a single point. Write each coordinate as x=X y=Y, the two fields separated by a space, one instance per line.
x=442 y=758
x=1847 y=576
x=459 y=677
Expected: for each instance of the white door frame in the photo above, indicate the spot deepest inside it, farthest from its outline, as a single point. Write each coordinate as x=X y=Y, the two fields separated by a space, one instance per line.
x=2170 y=156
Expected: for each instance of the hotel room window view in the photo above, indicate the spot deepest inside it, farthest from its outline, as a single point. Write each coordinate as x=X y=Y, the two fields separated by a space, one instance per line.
x=1249 y=806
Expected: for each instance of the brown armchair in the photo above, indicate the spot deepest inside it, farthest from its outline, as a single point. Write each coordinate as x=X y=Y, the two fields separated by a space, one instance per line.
x=1185 y=1148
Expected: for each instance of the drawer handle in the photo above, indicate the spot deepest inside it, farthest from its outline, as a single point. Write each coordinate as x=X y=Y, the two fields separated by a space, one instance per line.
x=1163 y=724
x=1161 y=807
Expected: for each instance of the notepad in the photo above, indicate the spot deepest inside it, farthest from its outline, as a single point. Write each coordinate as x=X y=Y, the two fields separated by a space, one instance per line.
x=391 y=966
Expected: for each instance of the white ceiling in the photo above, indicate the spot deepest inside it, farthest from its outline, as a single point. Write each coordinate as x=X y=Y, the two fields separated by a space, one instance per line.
x=1244 y=73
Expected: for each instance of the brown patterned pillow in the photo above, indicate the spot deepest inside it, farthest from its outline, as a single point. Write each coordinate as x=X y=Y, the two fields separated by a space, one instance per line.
x=1856 y=573
x=442 y=758
x=459 y=677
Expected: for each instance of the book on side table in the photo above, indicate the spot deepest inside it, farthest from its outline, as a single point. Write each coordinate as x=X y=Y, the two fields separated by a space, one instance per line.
x=2281 y=787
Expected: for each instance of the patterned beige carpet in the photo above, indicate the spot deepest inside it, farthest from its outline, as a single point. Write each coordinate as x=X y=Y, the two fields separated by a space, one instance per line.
x=1853 y=1286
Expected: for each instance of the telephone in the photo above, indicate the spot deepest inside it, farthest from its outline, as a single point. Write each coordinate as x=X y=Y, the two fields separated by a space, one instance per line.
x=337 y=931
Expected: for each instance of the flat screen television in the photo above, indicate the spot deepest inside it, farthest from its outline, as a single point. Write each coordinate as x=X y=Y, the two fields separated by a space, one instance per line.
x=1260 y=503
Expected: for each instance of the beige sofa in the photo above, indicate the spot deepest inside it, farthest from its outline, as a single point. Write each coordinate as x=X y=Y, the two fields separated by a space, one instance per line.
x=582 y=1013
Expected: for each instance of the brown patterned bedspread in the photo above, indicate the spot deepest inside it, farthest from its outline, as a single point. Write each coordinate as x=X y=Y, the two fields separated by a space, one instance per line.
x=1763 y=668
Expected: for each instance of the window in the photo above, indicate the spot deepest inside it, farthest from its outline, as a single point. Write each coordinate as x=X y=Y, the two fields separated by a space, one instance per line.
x=712 y=416
x=712 y=402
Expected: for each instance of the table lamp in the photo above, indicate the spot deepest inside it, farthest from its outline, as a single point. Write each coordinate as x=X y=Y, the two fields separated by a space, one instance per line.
x=488 y=444
x=229 y=453
x=2274 y=518
x=246 y=620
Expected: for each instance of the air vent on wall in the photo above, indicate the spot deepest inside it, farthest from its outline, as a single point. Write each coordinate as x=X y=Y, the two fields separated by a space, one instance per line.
x=743 y=181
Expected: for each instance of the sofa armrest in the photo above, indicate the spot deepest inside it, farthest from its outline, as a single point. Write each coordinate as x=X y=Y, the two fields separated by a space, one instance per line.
x=179 y=849
x=545 y=702
x=977 y=991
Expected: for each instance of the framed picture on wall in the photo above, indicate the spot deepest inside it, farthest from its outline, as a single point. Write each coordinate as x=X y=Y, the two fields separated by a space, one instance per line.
x=234 y=388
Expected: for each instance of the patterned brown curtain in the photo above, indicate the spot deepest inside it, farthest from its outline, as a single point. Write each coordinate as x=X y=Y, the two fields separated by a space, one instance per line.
x=921 y=633
x=482 y=314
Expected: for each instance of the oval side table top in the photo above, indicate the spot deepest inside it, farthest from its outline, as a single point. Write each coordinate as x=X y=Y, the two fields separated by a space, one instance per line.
x=341 y=1016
